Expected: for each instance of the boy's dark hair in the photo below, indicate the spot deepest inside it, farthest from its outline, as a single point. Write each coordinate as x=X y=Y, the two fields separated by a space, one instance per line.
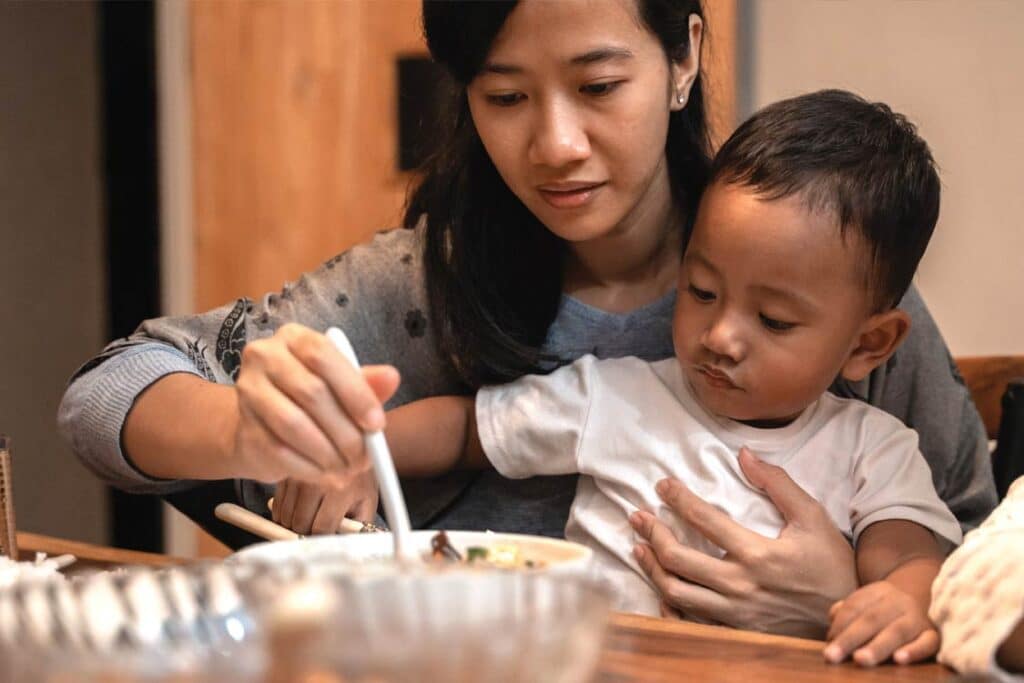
x=857 y=160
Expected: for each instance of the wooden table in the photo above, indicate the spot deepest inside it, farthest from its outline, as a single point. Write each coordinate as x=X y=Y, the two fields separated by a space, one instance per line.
x=647 y=649
x=89 y=556
x=636 y=648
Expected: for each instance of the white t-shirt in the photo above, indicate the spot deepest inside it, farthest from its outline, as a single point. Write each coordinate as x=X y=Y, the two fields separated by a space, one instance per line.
x=624 y=424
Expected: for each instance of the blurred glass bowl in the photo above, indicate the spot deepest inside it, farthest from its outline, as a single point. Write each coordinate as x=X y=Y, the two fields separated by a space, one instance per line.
x=431 y=625
x=185 y=624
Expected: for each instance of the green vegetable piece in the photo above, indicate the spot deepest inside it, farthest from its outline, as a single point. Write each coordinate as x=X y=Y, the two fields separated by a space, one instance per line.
x=476 y=553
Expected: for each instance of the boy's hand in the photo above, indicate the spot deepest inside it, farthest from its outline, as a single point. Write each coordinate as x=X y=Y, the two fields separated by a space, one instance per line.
x=880 y=621
x=318 y=508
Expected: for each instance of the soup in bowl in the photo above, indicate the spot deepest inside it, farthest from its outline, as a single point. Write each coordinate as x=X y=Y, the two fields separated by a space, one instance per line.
x=358 y=553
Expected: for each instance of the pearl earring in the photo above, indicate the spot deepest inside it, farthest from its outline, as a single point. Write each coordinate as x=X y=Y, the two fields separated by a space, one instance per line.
x=681 y=98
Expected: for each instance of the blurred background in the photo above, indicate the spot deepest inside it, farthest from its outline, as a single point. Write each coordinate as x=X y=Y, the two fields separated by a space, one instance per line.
x=165 y=157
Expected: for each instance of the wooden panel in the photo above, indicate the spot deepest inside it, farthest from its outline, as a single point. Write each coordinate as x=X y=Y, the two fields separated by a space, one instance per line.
x=294 y=135
x=720 y=68
x=295 y=131
x=987 y=377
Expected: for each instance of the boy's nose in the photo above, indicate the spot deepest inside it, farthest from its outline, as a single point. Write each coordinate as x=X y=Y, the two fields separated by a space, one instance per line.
x=558 y=137
x=723 y=338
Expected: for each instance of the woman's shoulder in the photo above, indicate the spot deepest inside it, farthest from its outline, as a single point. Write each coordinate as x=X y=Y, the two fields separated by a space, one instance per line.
x=388 y=247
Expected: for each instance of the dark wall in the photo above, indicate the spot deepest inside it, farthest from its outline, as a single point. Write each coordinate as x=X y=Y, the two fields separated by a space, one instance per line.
x=52 y=291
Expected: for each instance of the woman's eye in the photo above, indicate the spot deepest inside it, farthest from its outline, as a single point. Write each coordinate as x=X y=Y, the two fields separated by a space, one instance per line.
x=775 y=325
x=506 y=99
x=701 y=294
x=600 y=89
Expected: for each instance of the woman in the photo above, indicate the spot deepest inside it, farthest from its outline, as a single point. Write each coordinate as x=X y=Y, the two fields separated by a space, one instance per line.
x=550 y=224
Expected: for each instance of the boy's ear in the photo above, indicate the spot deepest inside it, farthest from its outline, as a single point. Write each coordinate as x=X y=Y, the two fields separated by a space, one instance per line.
x=879 y=338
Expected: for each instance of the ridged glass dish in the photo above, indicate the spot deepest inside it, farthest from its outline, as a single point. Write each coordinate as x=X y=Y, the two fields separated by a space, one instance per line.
x=456 y=625
x=283 y=623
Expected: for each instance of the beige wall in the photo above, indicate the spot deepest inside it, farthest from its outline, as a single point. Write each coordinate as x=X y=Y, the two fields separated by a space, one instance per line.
x=957 y=70
x=52 y=313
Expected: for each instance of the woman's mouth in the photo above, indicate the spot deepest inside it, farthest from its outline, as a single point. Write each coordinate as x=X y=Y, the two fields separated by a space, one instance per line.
x=569 y=195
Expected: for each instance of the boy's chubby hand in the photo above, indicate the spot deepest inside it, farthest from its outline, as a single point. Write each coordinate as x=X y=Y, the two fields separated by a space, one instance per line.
x=879 y=621
x=318 y=507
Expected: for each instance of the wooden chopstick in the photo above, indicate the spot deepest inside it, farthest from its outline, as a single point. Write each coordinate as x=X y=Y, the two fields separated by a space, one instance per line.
x=253 y=523
x=8 y=537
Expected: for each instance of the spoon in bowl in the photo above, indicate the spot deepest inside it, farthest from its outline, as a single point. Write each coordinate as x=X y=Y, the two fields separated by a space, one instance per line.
x=384 y=467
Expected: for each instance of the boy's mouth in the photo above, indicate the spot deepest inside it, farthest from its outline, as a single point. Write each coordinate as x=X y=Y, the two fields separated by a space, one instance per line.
x=716 y=378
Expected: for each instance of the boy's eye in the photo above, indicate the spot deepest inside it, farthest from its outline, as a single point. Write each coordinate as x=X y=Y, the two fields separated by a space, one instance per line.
x=506 y=99
x=775 y=325
x=701 y=294
x=600 y=89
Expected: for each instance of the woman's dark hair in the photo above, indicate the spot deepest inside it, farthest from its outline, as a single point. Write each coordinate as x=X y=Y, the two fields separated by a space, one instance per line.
x=493 y=270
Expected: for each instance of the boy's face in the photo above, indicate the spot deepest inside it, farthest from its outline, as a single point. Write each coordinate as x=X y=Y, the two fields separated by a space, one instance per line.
x=771 y=305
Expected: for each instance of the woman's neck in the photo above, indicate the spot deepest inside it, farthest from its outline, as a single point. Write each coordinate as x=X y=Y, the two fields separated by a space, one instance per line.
x=634 y=264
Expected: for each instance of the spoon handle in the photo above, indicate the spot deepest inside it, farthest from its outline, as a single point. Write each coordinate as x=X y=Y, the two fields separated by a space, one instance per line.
x=384 y=467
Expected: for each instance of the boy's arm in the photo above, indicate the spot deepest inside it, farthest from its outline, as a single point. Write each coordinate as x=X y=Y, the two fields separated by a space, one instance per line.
x=897 y=561
x=435 y=435
x=903 y=553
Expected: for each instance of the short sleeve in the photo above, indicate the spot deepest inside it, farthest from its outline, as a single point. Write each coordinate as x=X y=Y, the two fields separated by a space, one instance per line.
x=892 y=481
x=920 y=385
x=535 y=425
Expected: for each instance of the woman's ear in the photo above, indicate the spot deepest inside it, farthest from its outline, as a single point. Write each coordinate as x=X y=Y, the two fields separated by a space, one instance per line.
x=879 y=338
x=684 y=72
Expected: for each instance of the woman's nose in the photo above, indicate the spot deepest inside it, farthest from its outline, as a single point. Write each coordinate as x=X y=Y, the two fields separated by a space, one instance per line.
x=724 y=339
x=558 y=137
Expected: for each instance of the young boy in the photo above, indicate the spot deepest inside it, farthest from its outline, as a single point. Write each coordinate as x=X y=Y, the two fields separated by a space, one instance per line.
x=817 y=213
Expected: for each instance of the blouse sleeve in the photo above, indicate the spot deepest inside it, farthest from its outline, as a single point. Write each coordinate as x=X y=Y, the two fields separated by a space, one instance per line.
x=978 y=596
x=374 y=292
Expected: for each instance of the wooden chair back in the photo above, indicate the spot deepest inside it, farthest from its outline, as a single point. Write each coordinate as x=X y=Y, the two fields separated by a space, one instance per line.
x=987 y=378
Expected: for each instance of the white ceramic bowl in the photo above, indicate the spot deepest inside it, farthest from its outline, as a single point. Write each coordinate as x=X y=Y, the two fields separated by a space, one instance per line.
x=356 y=553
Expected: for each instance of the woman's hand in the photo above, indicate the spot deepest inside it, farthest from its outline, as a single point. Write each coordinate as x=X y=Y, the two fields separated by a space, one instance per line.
x=303 y=409
x=784 y=585
x=318 y=508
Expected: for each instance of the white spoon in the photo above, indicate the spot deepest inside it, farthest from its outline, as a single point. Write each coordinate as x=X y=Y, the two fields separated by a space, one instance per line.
x=384 y=467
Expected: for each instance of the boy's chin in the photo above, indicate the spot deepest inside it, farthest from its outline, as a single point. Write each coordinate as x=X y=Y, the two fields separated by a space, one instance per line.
x=743 y=414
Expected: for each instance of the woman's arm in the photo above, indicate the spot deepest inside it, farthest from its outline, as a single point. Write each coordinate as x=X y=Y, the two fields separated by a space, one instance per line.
x=185 y=427
x=166 y=376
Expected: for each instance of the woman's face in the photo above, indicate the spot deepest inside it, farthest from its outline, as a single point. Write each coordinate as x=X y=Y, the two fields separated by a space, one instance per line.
x=572 y=105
